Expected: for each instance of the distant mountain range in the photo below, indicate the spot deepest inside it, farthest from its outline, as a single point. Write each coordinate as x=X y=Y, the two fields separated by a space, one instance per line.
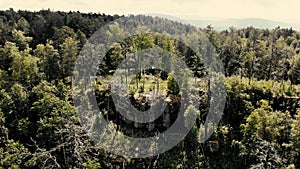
x=243 y=23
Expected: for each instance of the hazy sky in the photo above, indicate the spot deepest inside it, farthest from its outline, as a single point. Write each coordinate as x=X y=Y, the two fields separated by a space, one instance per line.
x=278 y=10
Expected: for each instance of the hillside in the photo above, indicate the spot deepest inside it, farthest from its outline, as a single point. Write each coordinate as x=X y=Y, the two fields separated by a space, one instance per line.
x=232 y=96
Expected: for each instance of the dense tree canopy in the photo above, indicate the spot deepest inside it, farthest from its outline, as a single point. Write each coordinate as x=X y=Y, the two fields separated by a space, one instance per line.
x=39 y=128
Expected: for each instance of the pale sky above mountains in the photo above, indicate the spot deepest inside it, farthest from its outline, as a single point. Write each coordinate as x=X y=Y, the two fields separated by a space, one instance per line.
x=276 y=10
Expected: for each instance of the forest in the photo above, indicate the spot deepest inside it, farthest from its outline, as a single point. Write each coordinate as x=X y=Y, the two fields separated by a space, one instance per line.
x=259 y=128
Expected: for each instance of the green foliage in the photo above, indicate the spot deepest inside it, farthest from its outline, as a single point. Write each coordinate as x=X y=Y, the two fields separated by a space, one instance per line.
x=295 y=139
x=12 y=155
x=60 y=34
x=172 y=85
x=266 y=136
x=295 y=71
x=25 y=69
x=20 y=39
x=265 y=124
x=91 y=164
x=23 y=25
x=69 y=50
x=267 y=156
x=49 y=60
x=39 y=128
